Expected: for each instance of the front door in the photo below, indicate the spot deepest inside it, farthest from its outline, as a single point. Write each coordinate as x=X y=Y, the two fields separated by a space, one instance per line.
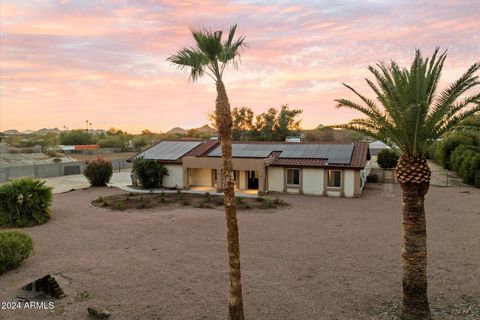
x=252 y=180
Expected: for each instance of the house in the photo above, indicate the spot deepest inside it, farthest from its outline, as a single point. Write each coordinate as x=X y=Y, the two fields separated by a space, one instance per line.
x=312 y=168
x=377 y=146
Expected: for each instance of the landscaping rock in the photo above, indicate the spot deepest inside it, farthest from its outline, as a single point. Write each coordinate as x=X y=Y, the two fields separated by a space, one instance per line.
x=99 y=313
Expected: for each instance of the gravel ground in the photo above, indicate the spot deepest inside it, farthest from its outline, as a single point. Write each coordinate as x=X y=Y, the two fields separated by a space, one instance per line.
x=323 y=258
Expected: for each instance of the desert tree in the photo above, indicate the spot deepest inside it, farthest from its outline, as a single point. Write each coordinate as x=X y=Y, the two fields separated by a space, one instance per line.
x=409 y=113
x=210 y=56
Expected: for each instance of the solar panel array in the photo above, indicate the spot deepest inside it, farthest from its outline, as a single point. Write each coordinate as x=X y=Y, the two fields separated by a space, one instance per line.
x=169 y=150
x=248 y=150
x=334 y=153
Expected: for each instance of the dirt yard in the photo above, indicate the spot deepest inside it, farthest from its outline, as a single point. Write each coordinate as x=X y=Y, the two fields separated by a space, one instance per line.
x=323 y=258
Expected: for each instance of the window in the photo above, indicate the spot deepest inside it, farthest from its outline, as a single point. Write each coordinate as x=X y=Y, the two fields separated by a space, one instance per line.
x=293 y=177
x=334 y=178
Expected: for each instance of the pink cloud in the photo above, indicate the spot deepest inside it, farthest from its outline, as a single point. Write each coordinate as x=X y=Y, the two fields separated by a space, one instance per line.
x=64 y=62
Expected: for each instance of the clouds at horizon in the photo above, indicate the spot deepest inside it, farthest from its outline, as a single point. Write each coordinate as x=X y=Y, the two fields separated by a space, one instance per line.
x=63 y=62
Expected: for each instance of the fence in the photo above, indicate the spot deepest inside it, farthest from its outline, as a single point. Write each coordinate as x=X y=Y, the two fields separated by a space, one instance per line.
x=53 y=169
x=382 y=175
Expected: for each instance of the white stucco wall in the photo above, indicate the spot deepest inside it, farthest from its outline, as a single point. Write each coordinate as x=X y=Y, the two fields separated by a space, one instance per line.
x=349 y=180
x=313 y=181
x=201 y=177
x=175 y=176
x=275 y=179
x=243 y=177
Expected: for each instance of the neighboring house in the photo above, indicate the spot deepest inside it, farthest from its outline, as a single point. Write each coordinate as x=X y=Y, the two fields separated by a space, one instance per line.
x=330 y=169
x=377 y=146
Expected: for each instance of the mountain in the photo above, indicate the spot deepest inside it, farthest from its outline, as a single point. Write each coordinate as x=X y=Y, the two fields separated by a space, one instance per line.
x=11 y=131
x=178 y=130
x=45 y=131
x=204 y=128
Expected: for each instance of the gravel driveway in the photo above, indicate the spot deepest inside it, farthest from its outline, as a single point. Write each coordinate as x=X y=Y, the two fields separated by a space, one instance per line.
x=323 y=258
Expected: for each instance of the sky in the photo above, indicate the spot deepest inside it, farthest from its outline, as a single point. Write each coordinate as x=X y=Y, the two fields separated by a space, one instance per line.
x=64 y=62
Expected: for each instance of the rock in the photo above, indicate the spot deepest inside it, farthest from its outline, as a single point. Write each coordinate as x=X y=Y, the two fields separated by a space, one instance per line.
x=99 y=313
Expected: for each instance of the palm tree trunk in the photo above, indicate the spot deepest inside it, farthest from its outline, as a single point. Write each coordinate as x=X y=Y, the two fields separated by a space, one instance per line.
x=414 y=253
x=224 y=125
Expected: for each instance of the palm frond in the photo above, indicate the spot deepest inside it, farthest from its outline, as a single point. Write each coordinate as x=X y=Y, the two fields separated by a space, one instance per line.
x=192 y=60
x=413 y=115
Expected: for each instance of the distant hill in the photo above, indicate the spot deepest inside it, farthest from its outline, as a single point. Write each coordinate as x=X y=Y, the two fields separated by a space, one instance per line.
x=178 y=130
x=11 y=131
x=45 y=131
x=41 y=131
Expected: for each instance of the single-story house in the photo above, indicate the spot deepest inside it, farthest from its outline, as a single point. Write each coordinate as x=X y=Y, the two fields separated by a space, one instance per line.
x=311 y=168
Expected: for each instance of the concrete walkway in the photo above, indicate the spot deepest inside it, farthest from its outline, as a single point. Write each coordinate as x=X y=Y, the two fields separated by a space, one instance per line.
x=78 y=181
x=122 y=181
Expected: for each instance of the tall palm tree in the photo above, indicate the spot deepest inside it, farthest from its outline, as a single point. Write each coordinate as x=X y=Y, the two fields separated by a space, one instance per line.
x=210 y=56
x=413 y=115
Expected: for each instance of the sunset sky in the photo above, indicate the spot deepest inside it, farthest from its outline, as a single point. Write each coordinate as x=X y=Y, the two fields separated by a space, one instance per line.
x=63 y=62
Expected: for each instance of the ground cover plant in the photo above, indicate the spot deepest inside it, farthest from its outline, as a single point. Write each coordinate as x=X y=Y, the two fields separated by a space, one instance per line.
x=158 y=200
x=24 y=202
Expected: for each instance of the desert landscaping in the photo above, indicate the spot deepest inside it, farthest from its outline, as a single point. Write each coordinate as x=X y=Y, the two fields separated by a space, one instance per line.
x=322 y=258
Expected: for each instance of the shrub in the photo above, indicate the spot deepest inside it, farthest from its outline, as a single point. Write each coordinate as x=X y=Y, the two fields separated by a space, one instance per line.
x=24 y=202
x=447 y=146
x=470 y=167
x=457 y=157
x=387 y=158
x=79 y=136
x=149 y=172
x=98 y=172
x=15 y=246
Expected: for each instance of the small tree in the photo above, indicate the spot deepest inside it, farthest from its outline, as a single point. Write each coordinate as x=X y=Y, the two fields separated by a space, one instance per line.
x=98 y=172
x=149 y=172
x=387 y=158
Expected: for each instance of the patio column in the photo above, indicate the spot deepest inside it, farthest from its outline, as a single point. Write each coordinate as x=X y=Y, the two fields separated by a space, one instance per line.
x=186 y=181
x=219 y=181
x=261 y=182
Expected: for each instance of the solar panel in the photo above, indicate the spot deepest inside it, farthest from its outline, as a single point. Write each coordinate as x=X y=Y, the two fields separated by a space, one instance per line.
x=169 y=150
x=333 y=153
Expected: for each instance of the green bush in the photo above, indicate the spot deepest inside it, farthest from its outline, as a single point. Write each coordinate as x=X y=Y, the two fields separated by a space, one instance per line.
x=457 y=157
x=98 y=172
x=470 y=167
x=24 y=202
x=149 y=172
x=15 y=246
x=77 y=137
x=465 y=160
x=387 y=158
x=447 y=146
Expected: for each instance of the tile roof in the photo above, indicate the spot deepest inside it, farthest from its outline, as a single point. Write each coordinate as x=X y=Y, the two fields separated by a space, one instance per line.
x=358 y=160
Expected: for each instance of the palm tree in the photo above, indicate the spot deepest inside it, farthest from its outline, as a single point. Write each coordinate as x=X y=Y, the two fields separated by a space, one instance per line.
x=210 y=56
x=414 y=115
